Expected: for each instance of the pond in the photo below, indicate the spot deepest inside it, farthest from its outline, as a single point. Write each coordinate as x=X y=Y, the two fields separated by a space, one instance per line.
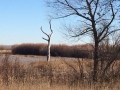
x=31 y=58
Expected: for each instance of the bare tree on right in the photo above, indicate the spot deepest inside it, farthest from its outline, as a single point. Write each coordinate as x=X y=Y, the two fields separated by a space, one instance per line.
x=99 y=18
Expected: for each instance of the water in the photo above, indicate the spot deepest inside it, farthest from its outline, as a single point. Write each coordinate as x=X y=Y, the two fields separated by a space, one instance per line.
x=31 y=58
x=23 y=58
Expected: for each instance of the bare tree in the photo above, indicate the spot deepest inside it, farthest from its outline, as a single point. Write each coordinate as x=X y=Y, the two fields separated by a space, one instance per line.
x=49 y=38
x=110 y=52
x=97 y=17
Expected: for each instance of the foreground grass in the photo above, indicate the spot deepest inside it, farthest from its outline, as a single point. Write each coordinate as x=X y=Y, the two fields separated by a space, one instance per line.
x=46 y=86
x=59 y=74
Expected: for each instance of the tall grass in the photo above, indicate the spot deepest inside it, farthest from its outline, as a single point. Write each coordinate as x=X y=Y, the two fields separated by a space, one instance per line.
x=56 y=50
x=55 y=75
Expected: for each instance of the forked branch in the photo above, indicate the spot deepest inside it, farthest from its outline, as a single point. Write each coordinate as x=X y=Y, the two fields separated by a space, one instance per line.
x=48 y=35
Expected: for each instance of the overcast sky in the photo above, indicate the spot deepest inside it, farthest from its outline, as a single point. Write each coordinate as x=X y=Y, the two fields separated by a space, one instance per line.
x=20 y=22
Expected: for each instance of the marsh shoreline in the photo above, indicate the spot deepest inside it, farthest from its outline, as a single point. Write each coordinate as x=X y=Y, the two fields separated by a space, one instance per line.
x=32 y=58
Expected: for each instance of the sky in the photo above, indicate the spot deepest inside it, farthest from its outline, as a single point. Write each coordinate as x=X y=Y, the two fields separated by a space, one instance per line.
x=20 y=22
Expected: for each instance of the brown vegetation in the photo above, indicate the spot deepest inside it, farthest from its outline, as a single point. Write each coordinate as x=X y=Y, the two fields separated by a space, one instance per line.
x=79 y=51
x=5 y=52
x=56 y=75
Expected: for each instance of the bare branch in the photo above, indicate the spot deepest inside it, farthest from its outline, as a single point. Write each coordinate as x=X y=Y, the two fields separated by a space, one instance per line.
x=104 y=29
x=64 y=16
x=50 y=28
x=77 y=13
x=45 y=39
x=107 y=34
x=44 y=32
x=96 y=6
x=85 y=31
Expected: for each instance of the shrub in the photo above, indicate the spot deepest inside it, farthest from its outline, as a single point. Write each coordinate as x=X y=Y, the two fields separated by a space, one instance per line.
x=60 y=50
x=26 y=49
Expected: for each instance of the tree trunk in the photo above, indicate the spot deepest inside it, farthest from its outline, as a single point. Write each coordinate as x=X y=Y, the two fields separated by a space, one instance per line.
x=95 y=69
x=48 y=51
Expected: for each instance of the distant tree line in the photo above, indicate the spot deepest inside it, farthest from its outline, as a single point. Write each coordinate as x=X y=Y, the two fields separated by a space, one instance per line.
x=62 y=50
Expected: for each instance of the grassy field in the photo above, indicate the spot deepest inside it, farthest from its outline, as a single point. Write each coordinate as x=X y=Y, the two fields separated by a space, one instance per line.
x=60 y=74
x=56 y=87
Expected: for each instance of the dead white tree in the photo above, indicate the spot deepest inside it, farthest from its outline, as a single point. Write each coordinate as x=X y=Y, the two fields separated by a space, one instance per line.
x=49 y=38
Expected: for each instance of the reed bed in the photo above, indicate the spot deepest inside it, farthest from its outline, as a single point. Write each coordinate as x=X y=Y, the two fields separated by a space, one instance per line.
x=62 y=50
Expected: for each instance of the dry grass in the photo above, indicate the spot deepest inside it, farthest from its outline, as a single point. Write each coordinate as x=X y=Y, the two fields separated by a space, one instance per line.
x=5 y=52
x=46 y=86
x=60 y=74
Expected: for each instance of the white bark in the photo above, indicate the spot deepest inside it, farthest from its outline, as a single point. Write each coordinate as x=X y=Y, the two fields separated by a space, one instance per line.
x=49 y=37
